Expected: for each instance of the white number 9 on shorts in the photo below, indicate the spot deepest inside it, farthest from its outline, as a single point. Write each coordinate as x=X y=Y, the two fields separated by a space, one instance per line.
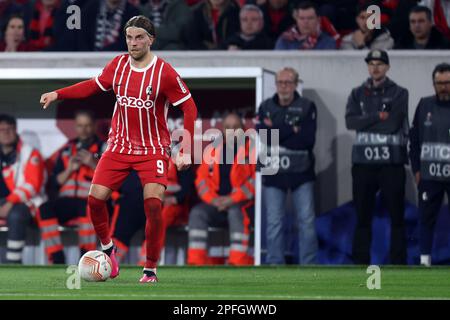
x=159 y=166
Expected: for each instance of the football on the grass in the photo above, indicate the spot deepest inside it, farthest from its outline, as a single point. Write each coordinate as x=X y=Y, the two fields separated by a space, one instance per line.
x=95 y=266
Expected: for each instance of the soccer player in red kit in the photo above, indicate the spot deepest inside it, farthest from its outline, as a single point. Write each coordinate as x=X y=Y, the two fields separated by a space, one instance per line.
x=145 y=86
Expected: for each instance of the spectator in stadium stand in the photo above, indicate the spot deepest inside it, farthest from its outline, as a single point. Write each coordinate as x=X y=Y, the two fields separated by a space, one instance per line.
x=129 y=216
x=251 y=36
x=170 y=17
x=429 y=157
x=102 y=23
x=399 y=23
x=277 y=18
x=66 y=39
x=42 y=30
x=14 y=35
x=377 y=111
x=71 y=177
x=365 y=38
x=441 y=15
x=227 y=193
x=21 y=186
x=423 y=35
x=387 y=8
x=212 y=22
x=295 y=118
x=8 y=8
x=306 y=33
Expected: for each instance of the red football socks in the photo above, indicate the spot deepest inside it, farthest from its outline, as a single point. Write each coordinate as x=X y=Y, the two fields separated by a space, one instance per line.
x=154 y=231
x=100 y=218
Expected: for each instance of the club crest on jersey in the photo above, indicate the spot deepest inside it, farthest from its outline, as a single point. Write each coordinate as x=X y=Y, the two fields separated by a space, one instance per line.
x=132 y=102
x=149 y=90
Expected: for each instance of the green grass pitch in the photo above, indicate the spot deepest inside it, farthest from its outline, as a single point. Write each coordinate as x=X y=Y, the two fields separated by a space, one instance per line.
x=224 y=283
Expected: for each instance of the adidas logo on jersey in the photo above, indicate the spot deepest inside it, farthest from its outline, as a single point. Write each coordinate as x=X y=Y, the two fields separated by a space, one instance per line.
x=132 y=102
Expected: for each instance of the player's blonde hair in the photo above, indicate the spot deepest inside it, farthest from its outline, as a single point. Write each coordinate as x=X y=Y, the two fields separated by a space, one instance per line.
x=141 y=22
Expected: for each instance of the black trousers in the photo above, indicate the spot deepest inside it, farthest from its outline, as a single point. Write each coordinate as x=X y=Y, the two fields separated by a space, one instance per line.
x=64 y=209
x=431 y=196
x=367 y=181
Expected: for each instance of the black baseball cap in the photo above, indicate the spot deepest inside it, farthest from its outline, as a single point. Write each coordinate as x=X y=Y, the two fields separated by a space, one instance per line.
x=380 y=55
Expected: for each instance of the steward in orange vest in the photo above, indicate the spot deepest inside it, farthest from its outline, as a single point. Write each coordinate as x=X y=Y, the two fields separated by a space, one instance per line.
x=72 y=176
x=227 y=193
x=21 y=186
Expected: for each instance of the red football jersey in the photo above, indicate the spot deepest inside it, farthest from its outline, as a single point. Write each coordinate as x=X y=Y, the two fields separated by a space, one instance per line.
x=139 y=121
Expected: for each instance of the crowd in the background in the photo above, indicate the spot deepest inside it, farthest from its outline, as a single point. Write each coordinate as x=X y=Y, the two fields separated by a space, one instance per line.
x=50 y=25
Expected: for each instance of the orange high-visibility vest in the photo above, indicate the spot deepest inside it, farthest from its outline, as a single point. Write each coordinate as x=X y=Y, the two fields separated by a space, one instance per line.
x=79 y=182
x=25 y=178
x=242 y=176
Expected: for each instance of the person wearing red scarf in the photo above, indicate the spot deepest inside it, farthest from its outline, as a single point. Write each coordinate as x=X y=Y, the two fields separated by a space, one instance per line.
x=306 y=34
x=41 y=25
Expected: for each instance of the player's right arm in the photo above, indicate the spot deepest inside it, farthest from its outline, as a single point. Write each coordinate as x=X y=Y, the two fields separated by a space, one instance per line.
x=87 y=88
x=79 y=90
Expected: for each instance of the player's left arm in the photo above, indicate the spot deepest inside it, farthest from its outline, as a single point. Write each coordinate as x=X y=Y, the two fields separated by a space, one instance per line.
x=179 y=96
x=190 y=115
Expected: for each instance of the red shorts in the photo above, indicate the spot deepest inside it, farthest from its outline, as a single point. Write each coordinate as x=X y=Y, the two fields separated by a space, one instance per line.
x=113 y=168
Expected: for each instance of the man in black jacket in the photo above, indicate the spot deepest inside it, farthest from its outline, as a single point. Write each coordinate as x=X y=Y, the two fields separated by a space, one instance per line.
x=211 y=23
x=295 y=118
x=251 y=36
x=430 y=156
x=422 y=34
x=378 y=112
x=277 y=18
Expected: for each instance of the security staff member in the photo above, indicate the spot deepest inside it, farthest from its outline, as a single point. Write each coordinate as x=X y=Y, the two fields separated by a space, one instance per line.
x=295 y=119
x=430 y=156
x=378 y=112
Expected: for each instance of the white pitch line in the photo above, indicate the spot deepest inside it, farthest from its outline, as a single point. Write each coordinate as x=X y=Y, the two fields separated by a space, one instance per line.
x=222 y=296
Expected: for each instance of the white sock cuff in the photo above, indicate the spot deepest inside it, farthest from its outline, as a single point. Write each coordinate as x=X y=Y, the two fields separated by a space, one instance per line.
x=107 y=246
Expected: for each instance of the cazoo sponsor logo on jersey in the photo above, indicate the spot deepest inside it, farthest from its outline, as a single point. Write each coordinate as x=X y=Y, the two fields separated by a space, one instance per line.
x=132 y=102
